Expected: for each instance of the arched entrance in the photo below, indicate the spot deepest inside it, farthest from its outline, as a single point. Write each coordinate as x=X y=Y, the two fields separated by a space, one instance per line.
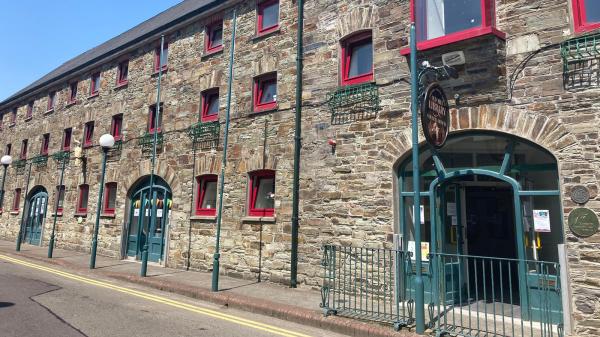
x=148 y=218
x=36 y=207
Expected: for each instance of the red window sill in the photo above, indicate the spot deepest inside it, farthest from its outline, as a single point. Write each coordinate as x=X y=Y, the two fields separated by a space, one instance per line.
x=49 y=111
x=206 y=212
x=262 y=212
x=265 y=107
x=212 y=51
x=210 y=118
x=69 y=103
x=94 y=94
x=266 y=32
x=87 y=145
x=152 y=131
x=107 y=215
x=587 y=28
x=81 y=213
x=121 y=84
x=455 y=37
x=358 y=79
x=164 y=70
x=27 y=119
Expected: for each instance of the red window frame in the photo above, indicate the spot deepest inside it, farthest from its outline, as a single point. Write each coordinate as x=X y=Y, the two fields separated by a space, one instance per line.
x=60 y=198
x=580 y=17
x=29 y=110
x=13 y=116
x=67 y=134
x=259 y=22
x=84 y=189
x=254 y=181
x=348 y=45
x=8 y=149
x=88 y=134
x=122 y=73
x=23 y=154
x=157 y=57
x=45 y=144
x=116 y=126
x=488 y=26
x=207 y=97
x=108 y=187
x=208 y=41
x=94 y=87
x=151 y=115
x=51 y=101
x=259 y=84
x=201 y=194
x=16 y=200
x=73 y=93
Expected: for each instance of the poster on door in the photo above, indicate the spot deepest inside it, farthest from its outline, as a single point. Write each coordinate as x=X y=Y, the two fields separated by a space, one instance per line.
x=541 y=220
x=424 y=250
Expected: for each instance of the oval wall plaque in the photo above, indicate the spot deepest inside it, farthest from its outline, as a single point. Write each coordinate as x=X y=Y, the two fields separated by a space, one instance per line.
x=435 y=116
x=583 y=222
x=580 y=194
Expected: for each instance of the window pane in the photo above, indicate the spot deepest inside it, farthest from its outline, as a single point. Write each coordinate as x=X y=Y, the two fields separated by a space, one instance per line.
x=213 y=105
x=592 y=11
x=266 y=187
x=443 y=17
x=165 y=56
x=361 y=61
x=210 y=195
x=112 y=196
x=216 y=38
x=269 y=92
x=61 y=197
x=123 y=72
x=83 y=202
x=270 y=16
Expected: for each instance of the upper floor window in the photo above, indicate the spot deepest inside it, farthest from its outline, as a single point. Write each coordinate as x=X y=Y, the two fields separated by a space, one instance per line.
x=586 y=14
x=51 y=101
x=29 y=110
x=265 y=92
x=116 y=127
x=160 y=59
x=88 y=134
x=45 y=144
x=110 y=198
x=206 y=195
x=214 y=37
x=154 y=121
x=268 y=16
x=82 y=200
x=210 y=105
x=8 y=149
x=72 y=92
x=66 y=144
x=94 y=84
x=13 y=116
x=122 y=73
x=60 y=198
x=261 y=193
x=357 y=59
x=16 y=200
x=23 y=154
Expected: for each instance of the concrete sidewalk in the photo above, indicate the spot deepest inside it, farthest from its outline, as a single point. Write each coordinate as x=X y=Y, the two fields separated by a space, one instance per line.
x=263 y=298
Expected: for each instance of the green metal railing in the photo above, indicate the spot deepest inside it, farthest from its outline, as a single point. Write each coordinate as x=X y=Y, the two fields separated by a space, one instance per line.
x=581 y=59
x=353 y=102
x=366 y=283
x=61 y=156
x=19 y=165
x=483 y=296
x=147 y=141
x=206 y=135
x=40 y=160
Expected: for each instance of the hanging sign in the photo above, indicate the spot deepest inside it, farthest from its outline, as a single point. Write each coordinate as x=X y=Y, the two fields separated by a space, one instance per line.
x=435 y=116
x=541 y=220
x=583 y=222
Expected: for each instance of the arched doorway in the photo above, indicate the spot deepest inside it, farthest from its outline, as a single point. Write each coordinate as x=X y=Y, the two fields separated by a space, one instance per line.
x=36 y=207
x=148 y=218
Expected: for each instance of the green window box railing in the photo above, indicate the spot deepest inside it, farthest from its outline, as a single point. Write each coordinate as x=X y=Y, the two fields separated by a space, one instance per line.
x=61 y=156
x=147 y=141
x=205 y=134
x=354 y=102
x=40 y=160
x=581 y=58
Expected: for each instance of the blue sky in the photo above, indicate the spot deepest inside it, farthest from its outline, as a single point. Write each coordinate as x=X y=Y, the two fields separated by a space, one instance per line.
x=38 y=36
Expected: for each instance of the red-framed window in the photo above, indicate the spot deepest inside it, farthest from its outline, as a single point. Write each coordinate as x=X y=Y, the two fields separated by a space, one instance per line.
x=122 y=72
x=88 y=134
x=261 y=193
x=23 y=154
x=444 y=22
x=82 y=200
x=265 y=92
x=72 y=92
x=45 y=144
x=357 y=59
x=13 y=116
x=586 y=14
x=206 y=195
x=95 y=84
x=213 y=39
x=16 y=200
x=116 y=126
x=8 y=149
x=210 y=105
x=60 y=198
x=51 y=101
x=66 y=143
x=29 y=110
x=158 y=61
x=267 y=16
x=110 y=198
x=153 y=124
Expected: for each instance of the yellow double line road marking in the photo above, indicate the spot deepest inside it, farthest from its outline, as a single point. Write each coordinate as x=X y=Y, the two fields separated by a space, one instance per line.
x=189 y=307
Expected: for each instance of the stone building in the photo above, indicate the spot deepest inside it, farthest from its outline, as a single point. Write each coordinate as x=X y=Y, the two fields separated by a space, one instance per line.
x=523 y=138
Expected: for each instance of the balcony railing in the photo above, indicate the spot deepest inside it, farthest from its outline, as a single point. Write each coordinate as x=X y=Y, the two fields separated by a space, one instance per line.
x=41 y=160
x=354 y=102
x=205 y=135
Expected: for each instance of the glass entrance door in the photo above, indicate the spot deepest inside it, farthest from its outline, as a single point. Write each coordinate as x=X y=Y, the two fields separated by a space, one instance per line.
x=36 y=213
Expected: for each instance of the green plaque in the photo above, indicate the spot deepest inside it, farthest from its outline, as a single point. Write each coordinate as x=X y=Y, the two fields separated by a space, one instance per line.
x=583 y=222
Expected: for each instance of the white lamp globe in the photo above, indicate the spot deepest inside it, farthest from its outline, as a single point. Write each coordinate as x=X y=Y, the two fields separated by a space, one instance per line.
x=6 y=160
x=107 y=141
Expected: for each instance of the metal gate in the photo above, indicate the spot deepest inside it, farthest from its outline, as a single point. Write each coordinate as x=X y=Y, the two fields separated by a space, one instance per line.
x=35 y=215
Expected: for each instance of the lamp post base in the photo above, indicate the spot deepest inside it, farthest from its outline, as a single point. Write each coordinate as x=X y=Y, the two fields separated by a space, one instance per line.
x=144 y=262
x=51 y=247
x=93 y=256
x=215 y=273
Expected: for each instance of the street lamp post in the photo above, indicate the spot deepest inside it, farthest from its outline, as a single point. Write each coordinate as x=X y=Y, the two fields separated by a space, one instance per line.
x=5 y=161
x=62 y=173
x=106 y=142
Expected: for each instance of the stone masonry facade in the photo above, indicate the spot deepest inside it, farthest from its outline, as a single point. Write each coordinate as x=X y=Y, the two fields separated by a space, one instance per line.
x=347 y=196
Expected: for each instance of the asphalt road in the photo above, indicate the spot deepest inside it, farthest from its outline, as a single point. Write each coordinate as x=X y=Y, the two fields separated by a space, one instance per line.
x=39 y=303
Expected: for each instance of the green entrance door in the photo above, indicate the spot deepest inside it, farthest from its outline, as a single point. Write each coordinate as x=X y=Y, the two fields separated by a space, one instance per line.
x=36 y=213
x=148 y=220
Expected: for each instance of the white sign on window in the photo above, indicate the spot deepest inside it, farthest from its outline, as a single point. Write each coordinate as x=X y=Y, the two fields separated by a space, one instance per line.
x=541 y=220
x=422 y=214
x=136 y=212
x=424 y=250
x=159 y=213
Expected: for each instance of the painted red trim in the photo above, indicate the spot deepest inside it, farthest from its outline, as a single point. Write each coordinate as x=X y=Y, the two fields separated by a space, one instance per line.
x=208 y=43
x=84 y=188
x=88 y=134
x=29 y=114
x=51 y=101
x=45 y=144
x=260 y=7
x=13 y=116
x=157 y=57
x=151 y=115
x=93 y=89
x=259 y=84
x=346 y=57
x=455 y=37
x=116 y=126
x=23 y=154
x=201 y=194
x=107 y=189
x=580 y=18
x=72 y=93
x=16 y=200
x=122 y=79
x=253 y=192
x=207 y=97
x=59 y=189
x=66 y=144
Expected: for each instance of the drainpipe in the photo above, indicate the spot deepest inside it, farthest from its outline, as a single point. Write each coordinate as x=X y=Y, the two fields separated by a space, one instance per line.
x=217 y=255
x=297 y=148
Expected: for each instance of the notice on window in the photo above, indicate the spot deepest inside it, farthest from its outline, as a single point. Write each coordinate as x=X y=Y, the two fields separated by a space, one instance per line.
x=454 y=221
x=541 y=220
x=424 y=250
x=136 y=212
x=451 y=209
x=159 y=213
x=422 y=208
